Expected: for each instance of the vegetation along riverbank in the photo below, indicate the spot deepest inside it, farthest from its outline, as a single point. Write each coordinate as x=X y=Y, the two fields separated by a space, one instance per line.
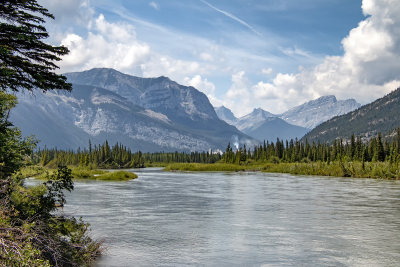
x=377 y=158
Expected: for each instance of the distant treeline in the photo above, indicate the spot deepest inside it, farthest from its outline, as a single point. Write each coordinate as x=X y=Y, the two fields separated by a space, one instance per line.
x=119 y=156
x=376 y=150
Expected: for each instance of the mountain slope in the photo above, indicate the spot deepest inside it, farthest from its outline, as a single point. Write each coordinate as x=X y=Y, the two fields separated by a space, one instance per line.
x=158 y=94
x=69 y=120
x=314 y=112
x=252 y=119
x=189 y=109
x=381 y=115
x=180 y=118
x=262 y=125
x=226 y=115
x=272 y=128
x=34 y=117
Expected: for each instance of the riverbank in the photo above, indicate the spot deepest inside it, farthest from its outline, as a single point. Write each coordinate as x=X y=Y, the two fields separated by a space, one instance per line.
x=80 y=173
x=378 y=170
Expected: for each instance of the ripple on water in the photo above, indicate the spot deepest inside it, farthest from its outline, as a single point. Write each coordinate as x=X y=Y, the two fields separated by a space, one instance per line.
x=240 y=219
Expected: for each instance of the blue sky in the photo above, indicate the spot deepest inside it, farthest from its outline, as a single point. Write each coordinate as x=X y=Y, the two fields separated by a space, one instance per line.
x=242 y=54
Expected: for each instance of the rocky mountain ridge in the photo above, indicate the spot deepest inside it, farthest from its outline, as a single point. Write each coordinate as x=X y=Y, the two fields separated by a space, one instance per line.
x=382 y=115
x=314 y=112
x=150 y=114
x=295 y=122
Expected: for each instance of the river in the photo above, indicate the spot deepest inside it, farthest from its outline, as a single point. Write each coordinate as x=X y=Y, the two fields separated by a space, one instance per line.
x=241 y=219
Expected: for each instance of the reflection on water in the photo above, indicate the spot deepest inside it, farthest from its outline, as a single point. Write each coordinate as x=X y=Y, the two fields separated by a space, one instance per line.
x=242 y=219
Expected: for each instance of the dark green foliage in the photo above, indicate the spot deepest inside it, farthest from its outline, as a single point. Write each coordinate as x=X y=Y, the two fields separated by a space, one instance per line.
x=32 y=213
x=13 y=148
x=381 y=115
x=26 y=62
x=293 y=151
x=55 y=185
x=31 y=232
x=118 y=156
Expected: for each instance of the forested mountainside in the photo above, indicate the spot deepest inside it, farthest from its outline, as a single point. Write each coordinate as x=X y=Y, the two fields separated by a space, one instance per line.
x=381 y=115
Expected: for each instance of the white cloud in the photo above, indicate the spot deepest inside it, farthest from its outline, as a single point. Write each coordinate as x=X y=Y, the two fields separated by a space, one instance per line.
x=201 y=84
x=176 y=69
x=369 y=68
x=205 y=86
x=206 y=57
x=267 y=71
x=239 y=98
x=154 y=5
x=107 y=45
x=115 y=45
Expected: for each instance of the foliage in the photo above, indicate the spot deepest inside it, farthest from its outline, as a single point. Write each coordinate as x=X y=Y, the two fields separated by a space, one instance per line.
x=205 y=167
x=376 y=150
x=25 y=60
x=115 y=157
x=31 y=171
x=379 y=170
x=32 y=233
x=117 y=176
x=13 y=148
x=334 y=158
x=379 y=158
x=33 y=229
x=85 y=173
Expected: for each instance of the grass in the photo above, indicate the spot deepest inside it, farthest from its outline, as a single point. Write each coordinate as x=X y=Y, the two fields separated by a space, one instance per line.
x=85 y=173
x=155 y=164
x=379 y=170
x=38 y=172
x=215 y=167
x=43 y=173
x=31 y=171
x=117 y=176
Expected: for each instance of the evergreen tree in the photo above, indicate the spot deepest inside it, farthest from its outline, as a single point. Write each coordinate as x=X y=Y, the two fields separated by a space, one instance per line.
x=26 y=61
x=398 y=141
x=380 y=152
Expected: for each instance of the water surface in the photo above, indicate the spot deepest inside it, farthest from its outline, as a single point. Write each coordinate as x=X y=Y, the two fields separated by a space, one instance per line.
x=236 y=219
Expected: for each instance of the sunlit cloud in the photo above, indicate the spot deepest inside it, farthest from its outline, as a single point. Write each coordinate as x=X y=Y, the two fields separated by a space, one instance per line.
x=241 y=75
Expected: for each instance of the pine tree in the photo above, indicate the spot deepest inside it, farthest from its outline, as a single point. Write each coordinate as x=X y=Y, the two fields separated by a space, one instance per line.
x=398 y=141
x=26 y=61
x=380 y=152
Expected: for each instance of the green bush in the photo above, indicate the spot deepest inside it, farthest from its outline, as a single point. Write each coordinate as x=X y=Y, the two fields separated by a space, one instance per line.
x=117 y=176
x=85 y=173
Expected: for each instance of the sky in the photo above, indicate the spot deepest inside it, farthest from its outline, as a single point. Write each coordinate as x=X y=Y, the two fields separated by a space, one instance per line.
x=243 y=54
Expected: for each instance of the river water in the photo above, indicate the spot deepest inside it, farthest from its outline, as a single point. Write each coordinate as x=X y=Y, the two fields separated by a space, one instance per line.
x=242 y=219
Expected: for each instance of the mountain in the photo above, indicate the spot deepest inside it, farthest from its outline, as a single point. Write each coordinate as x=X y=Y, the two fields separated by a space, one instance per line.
x=181 y=103
x=256 y=117
x=272 y=128
x=226 y=115
x=262 y=125
x=314 y=112
x=381 y=115
x=150 y=114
